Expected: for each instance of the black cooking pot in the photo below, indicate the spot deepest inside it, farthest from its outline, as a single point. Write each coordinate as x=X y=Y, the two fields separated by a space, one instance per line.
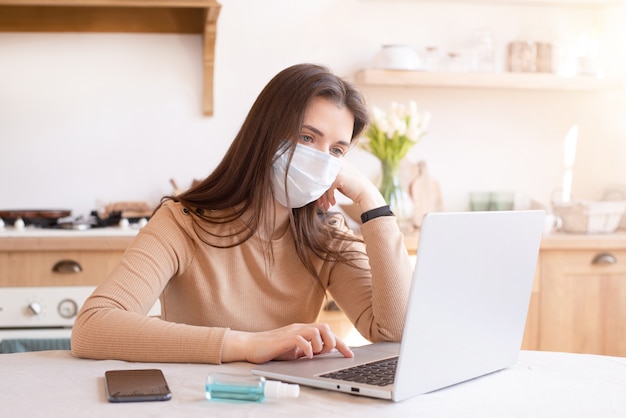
x=35 y=217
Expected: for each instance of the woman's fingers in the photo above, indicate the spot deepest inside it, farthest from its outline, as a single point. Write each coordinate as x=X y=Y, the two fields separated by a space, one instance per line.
x=294 y=341
x=322 y=340
x=313 y=338
x=327 y=199
x=344 y=349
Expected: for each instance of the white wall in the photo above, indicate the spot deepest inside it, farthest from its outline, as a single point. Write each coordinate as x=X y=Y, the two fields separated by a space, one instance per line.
x=90 y=119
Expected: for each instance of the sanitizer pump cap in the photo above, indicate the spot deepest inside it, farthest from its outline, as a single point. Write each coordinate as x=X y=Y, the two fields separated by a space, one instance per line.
x=278 y=390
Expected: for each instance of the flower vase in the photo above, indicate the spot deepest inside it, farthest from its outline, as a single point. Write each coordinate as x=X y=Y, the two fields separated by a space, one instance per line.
x=392 y=192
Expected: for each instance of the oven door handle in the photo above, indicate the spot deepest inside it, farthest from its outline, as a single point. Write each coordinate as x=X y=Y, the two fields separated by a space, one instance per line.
x=67 y=267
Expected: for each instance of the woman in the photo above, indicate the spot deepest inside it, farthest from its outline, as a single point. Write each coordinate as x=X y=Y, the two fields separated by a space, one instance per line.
x=242 y=261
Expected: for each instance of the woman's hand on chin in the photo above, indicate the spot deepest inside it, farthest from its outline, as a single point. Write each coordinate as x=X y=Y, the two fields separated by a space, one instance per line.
x=286 y=343
x=355 y=186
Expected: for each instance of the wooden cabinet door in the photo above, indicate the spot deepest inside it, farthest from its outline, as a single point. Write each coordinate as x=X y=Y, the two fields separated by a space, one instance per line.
x=583 y=302
x=531 y=332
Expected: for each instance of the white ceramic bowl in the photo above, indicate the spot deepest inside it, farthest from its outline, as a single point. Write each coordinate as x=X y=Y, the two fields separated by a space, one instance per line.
x=397 y=57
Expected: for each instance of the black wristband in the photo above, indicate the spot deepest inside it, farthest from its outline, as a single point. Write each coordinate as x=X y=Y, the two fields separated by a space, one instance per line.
x=375 y=213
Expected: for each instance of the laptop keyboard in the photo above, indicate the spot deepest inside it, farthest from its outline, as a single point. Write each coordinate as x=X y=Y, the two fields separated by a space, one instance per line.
x=378 y=373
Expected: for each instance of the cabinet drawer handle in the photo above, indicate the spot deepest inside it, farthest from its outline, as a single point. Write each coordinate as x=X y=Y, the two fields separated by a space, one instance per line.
x=604 y=259
x=67 y=267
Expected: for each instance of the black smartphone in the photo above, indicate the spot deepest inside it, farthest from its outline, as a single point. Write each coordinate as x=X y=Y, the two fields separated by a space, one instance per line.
x=137 y=385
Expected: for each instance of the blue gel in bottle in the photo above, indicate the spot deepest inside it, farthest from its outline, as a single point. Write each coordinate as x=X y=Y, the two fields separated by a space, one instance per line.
x=240 y=387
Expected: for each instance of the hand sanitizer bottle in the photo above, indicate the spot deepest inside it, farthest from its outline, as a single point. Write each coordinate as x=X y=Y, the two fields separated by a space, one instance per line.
x=247 y=388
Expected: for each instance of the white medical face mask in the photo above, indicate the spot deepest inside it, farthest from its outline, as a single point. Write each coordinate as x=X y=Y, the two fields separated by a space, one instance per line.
x=311 y=174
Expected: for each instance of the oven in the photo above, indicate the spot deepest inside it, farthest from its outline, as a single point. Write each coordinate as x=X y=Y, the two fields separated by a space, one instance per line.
x=47 y=271
x=39 y=318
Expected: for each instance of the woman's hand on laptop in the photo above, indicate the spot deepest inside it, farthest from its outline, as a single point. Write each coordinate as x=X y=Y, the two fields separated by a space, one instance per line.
x=286 y=343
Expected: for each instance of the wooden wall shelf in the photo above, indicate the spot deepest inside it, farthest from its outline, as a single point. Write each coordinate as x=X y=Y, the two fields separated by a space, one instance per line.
x=591 y=3
x=516 y=81
x=130 y=16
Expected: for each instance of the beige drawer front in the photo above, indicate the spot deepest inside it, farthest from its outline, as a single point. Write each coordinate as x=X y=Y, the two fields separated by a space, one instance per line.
x=51 y=268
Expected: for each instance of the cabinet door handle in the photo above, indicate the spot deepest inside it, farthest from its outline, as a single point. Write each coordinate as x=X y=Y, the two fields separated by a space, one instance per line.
x=67 y=267
x=604 y=259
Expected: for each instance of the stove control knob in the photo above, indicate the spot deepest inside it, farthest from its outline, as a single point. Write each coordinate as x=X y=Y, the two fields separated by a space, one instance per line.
x=68 y=308
x=35 y=308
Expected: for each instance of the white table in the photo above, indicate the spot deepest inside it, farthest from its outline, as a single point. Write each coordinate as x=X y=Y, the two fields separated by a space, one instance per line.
x=542 y=384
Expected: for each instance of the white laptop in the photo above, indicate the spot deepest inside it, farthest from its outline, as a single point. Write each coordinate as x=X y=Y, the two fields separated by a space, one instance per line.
x=466 y=315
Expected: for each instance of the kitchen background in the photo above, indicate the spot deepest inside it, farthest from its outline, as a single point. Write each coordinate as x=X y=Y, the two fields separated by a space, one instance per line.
x=89 y=119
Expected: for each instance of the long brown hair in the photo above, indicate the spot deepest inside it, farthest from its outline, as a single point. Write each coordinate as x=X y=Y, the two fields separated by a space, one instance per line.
x=242 y=180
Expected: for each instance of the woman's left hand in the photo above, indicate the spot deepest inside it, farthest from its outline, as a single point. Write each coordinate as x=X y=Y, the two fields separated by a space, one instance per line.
x=355 y=186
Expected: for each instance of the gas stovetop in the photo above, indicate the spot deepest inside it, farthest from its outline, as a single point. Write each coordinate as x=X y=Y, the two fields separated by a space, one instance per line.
x=63 y=219
x=41 y=223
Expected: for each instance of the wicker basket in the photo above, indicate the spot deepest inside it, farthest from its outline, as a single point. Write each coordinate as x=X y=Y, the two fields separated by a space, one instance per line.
x=590 y=217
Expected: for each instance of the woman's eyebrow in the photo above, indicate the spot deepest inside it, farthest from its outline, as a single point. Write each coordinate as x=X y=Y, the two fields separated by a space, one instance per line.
x=314 y=129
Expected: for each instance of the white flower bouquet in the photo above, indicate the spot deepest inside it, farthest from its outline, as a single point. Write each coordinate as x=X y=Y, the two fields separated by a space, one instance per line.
x=389 y=137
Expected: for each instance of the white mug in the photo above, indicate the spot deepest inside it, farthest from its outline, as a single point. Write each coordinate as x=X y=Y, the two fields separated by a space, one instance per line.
x=551 y=223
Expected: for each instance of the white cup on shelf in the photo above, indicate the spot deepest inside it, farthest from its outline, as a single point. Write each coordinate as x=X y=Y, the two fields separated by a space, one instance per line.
x=397 y=57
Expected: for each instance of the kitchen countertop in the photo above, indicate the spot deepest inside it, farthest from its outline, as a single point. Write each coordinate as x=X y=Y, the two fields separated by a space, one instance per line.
x=119 y=238
x=12 y=239
x=557 y=241
x=112 y=231
x=568 y=241
x=541 y=384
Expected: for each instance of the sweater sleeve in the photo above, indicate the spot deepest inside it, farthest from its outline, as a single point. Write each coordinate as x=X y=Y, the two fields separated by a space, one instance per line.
x=113 y=323
x=375 y=298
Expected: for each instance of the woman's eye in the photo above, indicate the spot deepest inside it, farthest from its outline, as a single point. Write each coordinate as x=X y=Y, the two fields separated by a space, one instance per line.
x=306 y=138
x=337 y=151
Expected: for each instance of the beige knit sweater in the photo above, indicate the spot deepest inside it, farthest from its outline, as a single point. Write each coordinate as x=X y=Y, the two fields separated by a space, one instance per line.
x=204 y=291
